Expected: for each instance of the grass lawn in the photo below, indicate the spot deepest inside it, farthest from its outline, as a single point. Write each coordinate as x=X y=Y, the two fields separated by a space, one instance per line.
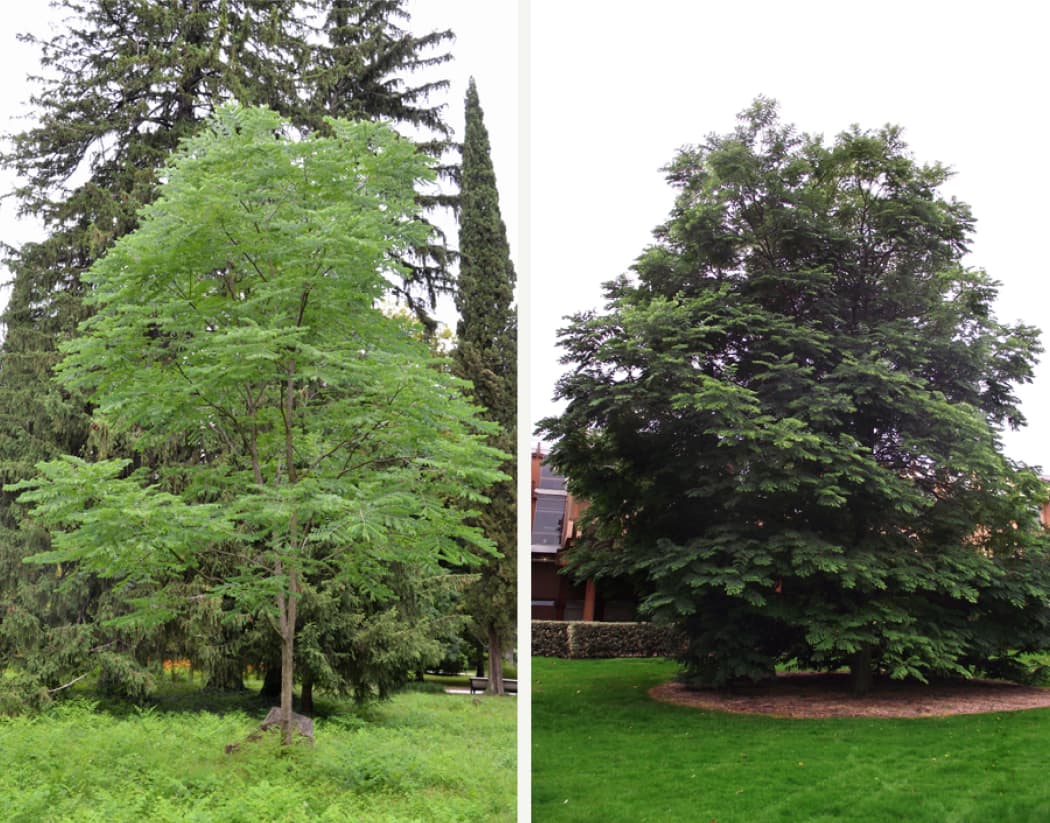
x=603 y=751
x=422 y=756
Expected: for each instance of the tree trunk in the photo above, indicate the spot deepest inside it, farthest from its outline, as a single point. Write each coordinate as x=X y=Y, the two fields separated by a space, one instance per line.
x=860 y=673
x=271 y=686
x=306 y=698
x=495 y=664
x=289 y=603
x=287 y=606
x=287 y=684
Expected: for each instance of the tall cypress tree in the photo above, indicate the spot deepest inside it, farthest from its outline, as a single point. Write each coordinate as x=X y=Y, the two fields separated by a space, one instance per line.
x=126 y=81
x=486 y=354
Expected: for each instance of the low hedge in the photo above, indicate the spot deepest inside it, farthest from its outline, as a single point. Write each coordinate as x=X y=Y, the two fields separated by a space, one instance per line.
x=578 y=639
x=550 y=638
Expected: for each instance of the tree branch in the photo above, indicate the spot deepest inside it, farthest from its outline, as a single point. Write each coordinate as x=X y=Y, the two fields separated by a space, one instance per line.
x=67 y=685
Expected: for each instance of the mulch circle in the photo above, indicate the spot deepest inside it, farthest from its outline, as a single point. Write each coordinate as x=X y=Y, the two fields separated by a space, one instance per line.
x=809 y=695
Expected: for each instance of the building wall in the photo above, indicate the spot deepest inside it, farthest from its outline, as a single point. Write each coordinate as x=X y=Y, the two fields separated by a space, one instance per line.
x=554 y=595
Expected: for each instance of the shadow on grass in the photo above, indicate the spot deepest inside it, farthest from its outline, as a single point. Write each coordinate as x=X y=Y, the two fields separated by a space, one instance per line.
x=187 y=697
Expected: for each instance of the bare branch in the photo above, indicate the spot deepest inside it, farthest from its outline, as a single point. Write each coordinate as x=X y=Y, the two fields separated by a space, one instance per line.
x=67 y=685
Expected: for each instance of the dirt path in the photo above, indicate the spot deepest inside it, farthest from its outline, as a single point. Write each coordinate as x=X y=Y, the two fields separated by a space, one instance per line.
x=808 y=695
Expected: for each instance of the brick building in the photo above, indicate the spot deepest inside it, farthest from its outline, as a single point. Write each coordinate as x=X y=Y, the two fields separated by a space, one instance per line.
x=555 y=519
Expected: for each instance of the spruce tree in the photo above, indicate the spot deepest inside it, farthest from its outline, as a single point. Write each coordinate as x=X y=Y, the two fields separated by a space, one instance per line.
x=366 y=68
x=788 y=422
x=486 y=354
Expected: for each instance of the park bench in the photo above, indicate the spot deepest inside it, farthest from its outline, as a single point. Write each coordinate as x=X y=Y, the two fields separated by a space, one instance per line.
x=479 y=684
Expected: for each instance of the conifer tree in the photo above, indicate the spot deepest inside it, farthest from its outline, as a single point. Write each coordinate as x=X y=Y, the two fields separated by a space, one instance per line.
x=366 y=68
x=486 y=354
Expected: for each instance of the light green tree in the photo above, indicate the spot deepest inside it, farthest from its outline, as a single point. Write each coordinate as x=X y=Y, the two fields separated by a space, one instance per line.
x=121 y=83
x=243 y=317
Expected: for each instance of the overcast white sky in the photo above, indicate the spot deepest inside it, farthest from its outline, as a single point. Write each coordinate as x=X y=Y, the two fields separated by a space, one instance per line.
x=616 y=89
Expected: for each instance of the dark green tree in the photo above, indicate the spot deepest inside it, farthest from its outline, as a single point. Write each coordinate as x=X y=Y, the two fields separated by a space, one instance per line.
x=787 y=422
x=367 y=67
x=486 y=354
x=369 y=643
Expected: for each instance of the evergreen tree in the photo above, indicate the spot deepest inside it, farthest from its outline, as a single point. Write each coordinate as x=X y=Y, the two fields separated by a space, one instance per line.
x=366 y=69
x=788 y=424
x=486 y=354
x=369 y=643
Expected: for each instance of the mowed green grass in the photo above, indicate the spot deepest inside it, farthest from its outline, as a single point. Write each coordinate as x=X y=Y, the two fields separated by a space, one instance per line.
x=422 y=756
x=602 y=750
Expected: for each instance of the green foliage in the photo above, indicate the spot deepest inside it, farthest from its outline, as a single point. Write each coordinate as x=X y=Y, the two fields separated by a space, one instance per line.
x=124 y=678
x=366 y=69
x=487 y=330
x=430 y=757
x=367 y=646
x=366 y=46
x=241 y=317
x=486 y=354
x=1029 y=669
x=578 y=639
x=672 y=763
x=122 y=83
x=788 y=423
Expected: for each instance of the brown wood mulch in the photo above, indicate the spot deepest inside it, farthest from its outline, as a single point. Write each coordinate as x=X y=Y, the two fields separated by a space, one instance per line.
x=806 y=695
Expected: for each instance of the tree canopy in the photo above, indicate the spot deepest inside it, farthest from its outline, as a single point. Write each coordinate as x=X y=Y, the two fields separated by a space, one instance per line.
x=787 y=421
x=241 y=318
x=122 y=82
